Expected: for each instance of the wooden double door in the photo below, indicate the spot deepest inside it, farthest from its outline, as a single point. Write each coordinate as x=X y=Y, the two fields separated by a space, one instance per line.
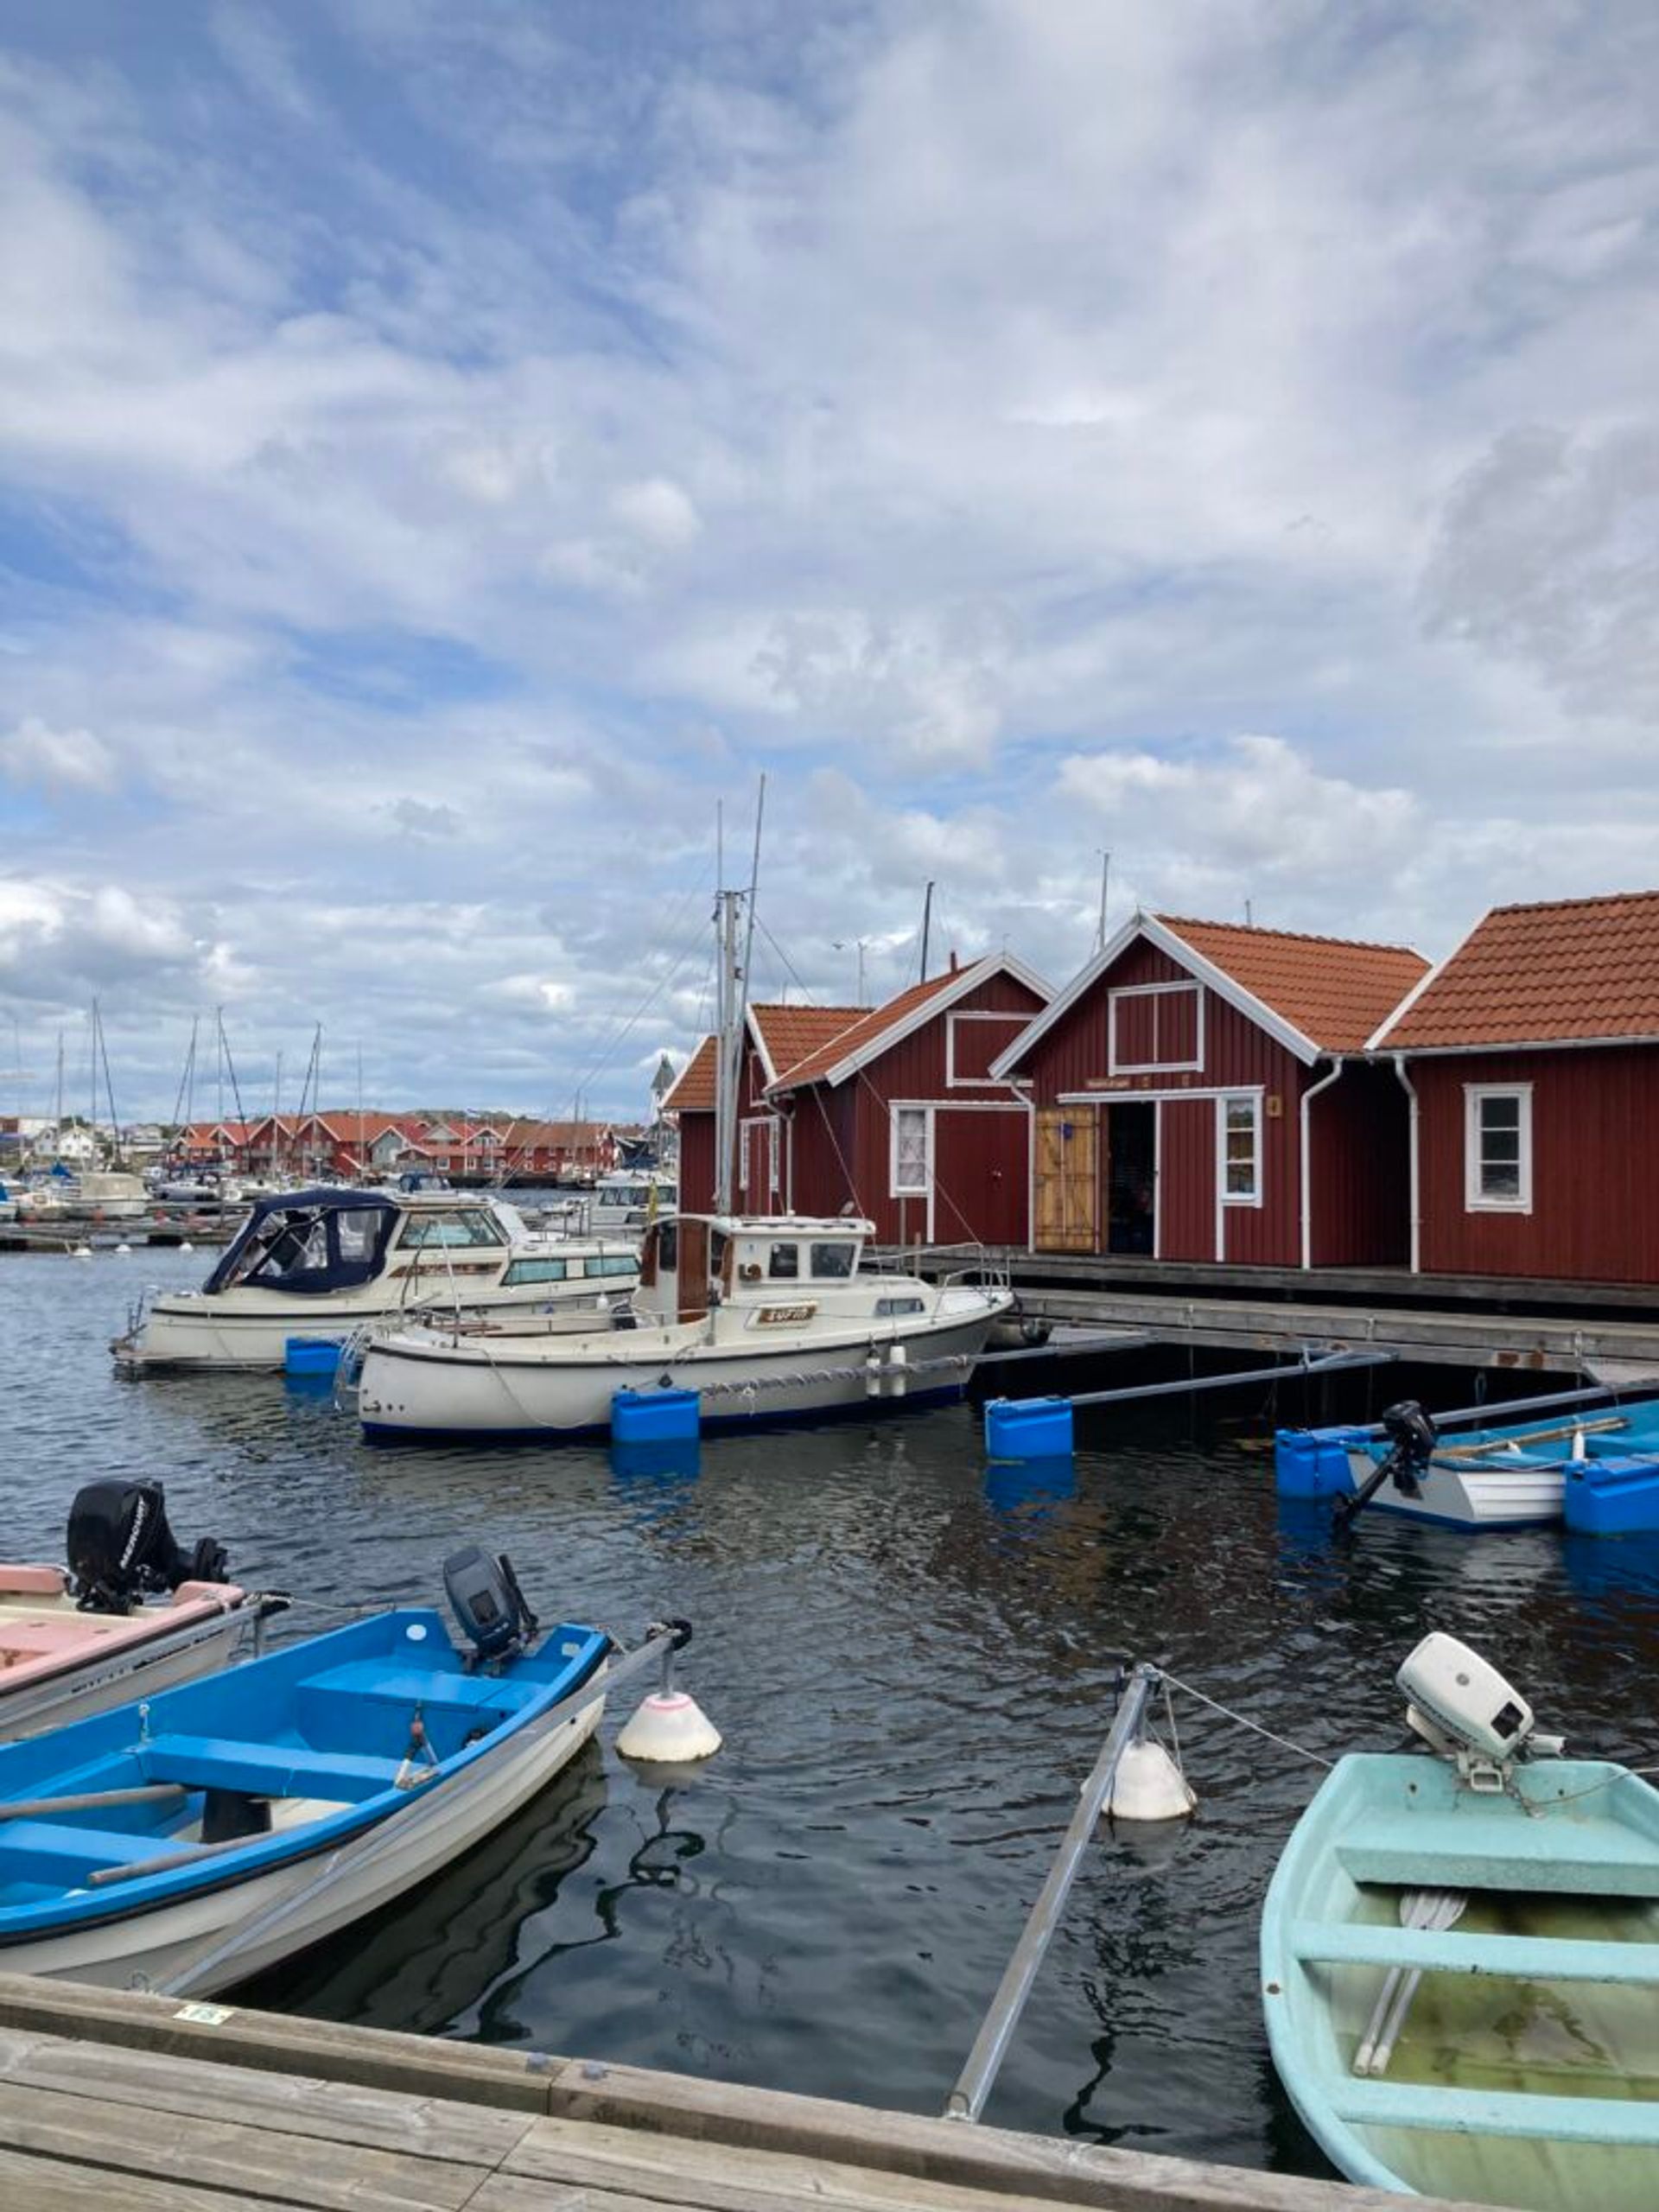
x=1094 y=1178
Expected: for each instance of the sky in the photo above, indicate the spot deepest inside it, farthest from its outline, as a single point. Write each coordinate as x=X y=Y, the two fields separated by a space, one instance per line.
x=451 y=449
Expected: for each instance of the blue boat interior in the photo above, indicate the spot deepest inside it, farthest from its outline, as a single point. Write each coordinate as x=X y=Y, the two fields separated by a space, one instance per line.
x=292 y=1753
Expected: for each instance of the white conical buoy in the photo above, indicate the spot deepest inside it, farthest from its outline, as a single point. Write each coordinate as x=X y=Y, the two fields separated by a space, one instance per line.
x=123 y=1251
x=82 y=1252
x=669 y=1729
x=185 y=1245
x=1149 y=1786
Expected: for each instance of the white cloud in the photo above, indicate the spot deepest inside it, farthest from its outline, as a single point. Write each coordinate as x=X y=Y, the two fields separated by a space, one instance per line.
x=67 y=759
x=659 y=512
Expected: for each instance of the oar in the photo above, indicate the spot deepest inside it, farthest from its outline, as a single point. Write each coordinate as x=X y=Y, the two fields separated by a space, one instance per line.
x=1433 y=1911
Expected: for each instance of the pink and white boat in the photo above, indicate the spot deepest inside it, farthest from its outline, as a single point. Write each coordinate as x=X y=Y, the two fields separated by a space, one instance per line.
x=128 y=1617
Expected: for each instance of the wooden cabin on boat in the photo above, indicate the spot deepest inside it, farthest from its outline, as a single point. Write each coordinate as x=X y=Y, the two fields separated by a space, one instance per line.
x=1531 y=1056
x=889 y=1113
x=1198 y=1093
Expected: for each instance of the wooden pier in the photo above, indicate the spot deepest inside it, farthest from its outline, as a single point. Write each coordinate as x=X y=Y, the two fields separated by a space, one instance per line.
x=112 y=2097
x=1609 y=1331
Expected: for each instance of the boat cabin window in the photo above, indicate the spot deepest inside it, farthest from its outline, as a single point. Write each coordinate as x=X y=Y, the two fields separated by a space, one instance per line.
x=833 y=1260
x=610 y=1263
x=450 y=1231
x=522 y=1271
x=784 y=1262
x=891 y=1306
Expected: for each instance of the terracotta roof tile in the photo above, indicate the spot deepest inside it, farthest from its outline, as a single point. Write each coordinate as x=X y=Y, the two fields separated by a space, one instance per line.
x=692 y=1089
x=790 y=1033
x=863 y=1029
x=1565 y=968
x=1334 y=990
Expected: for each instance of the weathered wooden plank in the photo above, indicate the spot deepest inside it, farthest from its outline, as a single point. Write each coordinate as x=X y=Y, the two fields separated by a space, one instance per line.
x=377 y=2058
x=259 y=2162
x=297 y=2105
x=29 y=2183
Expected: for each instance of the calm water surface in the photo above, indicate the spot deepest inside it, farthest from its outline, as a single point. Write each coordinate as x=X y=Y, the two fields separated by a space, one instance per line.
x=910 y=1656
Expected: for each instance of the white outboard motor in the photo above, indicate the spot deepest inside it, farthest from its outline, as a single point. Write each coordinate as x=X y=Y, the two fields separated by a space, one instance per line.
x=1465 y=1710
x=493 y=1613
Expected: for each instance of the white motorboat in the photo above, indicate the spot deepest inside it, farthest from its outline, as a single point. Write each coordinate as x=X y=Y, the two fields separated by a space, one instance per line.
x=766 y=1317
x=322 y=1264
x=95 y=1194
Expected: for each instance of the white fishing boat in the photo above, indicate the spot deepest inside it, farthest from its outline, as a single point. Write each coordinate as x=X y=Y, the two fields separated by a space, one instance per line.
x=131 y=1613
x=766 y=1318
x=1509 y=1477
x=320 y=1265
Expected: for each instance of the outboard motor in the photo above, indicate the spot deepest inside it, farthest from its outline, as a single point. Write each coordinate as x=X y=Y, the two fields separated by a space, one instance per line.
x=121 y=1549
x=1411 y=1436
x=494 y=1615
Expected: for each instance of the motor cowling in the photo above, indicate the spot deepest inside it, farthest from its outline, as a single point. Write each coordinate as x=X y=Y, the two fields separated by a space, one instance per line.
x=121 y=1549
x=1413 y=1436
x=494 y=1615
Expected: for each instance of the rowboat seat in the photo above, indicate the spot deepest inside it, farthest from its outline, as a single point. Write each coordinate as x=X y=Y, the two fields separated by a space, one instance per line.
x=62 y=1854
x=426 y=1686
x=1481 y=1850
x=1529 y=1958
x=266 y=1770
x=1369 y=2103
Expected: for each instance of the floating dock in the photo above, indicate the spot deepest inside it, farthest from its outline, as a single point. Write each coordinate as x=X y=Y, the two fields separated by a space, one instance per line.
x=111 y=2096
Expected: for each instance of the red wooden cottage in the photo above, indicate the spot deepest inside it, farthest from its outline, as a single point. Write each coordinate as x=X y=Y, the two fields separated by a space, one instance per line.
x=891 y=1113
x=1198 y=1093
x=1532 y=1057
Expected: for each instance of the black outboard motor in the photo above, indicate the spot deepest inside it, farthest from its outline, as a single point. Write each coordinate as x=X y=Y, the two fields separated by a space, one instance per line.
x=1411 y=1436
x=494 y=1615
x=121 y=1549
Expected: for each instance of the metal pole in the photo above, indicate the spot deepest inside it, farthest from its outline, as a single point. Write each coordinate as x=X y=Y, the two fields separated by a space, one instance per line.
x=1187 y=1383
x=977 y=2078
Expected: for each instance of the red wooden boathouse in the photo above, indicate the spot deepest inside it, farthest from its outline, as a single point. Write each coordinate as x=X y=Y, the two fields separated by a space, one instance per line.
x=1197 y=1093
x=1532 y=1057
x=891 y=1113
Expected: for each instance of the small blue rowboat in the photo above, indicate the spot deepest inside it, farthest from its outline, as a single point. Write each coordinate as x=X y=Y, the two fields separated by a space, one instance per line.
x=1460 y=1975
x=188 y=1842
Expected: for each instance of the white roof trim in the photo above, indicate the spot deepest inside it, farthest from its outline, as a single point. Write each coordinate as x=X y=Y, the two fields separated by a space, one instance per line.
x=967 y=979
x=1376 y=1042
x=1169 y=941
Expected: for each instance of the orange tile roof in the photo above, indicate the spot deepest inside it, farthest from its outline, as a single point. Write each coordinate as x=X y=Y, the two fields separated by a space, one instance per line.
x=862 y=1029
x=794 y=1034
x=692 y=1090
x=1544 y=974
x=1334 y=990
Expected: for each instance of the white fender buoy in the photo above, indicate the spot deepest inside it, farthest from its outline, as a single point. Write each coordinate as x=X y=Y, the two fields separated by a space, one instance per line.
x=82 y=1252
x=669 y=1729
x=123 y=1251
x=185 y=1245
x=1149 y=1786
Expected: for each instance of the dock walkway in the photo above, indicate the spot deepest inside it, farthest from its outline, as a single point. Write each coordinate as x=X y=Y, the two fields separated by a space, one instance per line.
x=107 y=2096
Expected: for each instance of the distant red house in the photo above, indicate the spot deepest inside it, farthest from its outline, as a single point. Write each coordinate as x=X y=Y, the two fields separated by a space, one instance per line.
x=1532 y=1055
x=1198 y=1093
x=891 y=1113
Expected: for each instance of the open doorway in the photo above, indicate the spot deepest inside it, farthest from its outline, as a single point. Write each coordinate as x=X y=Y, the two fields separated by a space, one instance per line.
x=1132 y=1178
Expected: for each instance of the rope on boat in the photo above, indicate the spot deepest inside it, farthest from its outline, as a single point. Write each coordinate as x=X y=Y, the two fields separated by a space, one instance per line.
x=1244 y=1721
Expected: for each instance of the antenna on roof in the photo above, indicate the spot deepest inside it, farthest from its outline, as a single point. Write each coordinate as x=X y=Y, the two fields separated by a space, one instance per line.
x=927 y=920
x=1105 y=879
x=1249 y=918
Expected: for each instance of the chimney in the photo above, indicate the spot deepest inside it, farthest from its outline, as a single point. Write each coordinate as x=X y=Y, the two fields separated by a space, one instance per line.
x=953 y=960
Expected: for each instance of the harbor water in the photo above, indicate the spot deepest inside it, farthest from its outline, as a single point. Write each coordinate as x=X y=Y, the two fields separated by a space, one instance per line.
x=911 y=1655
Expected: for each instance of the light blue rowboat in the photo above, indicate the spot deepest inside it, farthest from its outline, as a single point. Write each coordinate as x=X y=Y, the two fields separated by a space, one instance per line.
x=190 y=1841
x=1524 y=2068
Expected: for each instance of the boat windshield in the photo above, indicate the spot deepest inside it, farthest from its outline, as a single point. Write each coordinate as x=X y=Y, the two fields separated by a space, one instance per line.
x=449 y=1231
x=306 y=1250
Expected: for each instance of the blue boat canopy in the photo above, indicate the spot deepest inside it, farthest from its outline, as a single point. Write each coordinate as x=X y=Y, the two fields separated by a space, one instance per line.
x=309 y=1242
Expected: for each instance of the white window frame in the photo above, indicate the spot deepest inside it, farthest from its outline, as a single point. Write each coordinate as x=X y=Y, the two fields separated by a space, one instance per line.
x=925 y=1188
x=1115 y=1065
x=1475 y=1200
x=1253 y=1100
x=769 y=1122
x=1015 y=1023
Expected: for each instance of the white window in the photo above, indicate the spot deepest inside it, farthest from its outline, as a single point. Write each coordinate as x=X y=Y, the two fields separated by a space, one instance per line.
x=1240 y=1151
x=1154 y=1028
x=757 y=1154
x=911 y=1149
x=1497 y=1147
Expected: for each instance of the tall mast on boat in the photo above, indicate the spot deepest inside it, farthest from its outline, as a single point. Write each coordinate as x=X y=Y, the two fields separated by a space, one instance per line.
x=732 y=1004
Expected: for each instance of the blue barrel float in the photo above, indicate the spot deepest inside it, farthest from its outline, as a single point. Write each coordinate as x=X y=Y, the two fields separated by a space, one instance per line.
x=1028 y=1428
x=654 y=1416
x=316 y=1356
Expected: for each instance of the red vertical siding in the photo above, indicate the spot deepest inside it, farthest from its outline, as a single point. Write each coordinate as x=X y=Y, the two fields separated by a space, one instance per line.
x=1595 y=1196
x=1186 y=1179
x=696 y=1184
x=1360 y=1169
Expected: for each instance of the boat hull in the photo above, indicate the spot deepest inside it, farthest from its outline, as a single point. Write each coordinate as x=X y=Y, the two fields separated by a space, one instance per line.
x=1525 y=2071
x=101 y=1683
x=169 y=1947
x=433 y=1390
x=1476 y=1496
